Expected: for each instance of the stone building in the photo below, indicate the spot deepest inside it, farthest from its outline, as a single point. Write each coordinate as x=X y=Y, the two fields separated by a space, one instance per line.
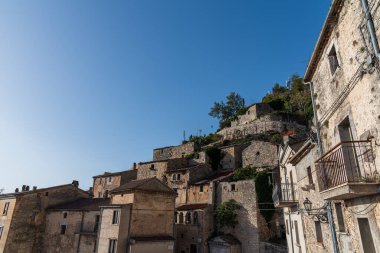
x=159 y=168
x=22 y=223
x=194 y=225
x=285 y=196
x=103 y=184
x=232 y=156
x=344 y=71
x=253 y=112
x=171 y=152
x=73 y=227
x=251 y=227
x=139 y=218
x=260 y=154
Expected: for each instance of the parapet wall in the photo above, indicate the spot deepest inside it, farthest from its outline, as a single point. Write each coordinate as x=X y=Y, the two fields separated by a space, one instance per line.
x=259 y=127
x=174 y=151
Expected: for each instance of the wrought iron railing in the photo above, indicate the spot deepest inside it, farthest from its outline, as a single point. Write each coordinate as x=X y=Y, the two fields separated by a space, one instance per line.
x=284 y=192
x=347 y=162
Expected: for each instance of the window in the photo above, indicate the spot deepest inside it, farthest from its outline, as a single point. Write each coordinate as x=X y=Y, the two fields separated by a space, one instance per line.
x=175 y=217
x=151 y=167
x=180 y=218
x=366 y=235
x=201 y=188
x=309 y=175
x=109 y=180
x=115 y=217
x=318 y=231
x=99 y=194
x=1 y=230
x=333 y=60
x=46 y=194
x=195 y=217
x=287 y=227
x=340 y=217
x=6 y=207
x=63 y=229
x=178 y=177
x=64 y=215
x=106 y=194
x=112 y=246
x=297 y=233
x=188 y=218
x=97 y=219
x=233 y=187
x=174 y=177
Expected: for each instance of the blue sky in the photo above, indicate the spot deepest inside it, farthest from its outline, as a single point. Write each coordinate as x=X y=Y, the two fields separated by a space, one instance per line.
x=93 y=86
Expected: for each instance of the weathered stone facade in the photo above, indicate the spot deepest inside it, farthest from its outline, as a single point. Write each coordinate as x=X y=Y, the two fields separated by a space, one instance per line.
x=175 y=151
x=106 y=182
x=260 y=154
x=25 y=225
x=232 y=156
x=345 y=75
x=248 y=228
x=253 y=113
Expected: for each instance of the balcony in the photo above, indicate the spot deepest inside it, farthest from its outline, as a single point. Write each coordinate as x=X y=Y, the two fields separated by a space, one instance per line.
x=90 y=229
x=285 y=195
x=348 y=171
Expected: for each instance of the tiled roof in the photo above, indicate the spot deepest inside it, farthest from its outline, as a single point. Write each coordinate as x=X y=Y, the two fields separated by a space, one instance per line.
x=192 y=207
x=106 y=174
x=149 y=184
x=152 y=238
x=215 y=177
x=82 y=205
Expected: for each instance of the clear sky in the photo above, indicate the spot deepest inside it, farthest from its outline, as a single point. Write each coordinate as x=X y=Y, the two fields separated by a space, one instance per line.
x=93 y=86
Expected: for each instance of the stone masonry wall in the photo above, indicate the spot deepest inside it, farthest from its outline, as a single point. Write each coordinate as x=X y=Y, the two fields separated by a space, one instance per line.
x=260 y=154
x=247 y=228
x=175 y=151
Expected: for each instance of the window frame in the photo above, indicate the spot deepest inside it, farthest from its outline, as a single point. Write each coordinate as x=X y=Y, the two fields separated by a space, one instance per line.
x=63 y=228
x=318 y=232
x=6 y=208
x=1 y=230
x=115 y=217
x=112 y=246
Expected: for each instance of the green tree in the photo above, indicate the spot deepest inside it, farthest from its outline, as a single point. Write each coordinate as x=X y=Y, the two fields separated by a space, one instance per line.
x=228 y=111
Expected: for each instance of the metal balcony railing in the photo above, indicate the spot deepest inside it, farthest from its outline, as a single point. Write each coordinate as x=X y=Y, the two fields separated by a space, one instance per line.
x=284 y=193
x=347 y=162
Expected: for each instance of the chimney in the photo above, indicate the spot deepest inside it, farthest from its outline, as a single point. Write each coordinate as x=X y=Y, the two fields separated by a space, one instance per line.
x=23 y=188
x=134 y=166
x=27 y=188
x=34 y=188
x=75 y=183
x=16 y=190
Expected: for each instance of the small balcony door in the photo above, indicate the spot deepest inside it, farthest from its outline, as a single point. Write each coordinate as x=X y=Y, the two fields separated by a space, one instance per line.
x=349 y=160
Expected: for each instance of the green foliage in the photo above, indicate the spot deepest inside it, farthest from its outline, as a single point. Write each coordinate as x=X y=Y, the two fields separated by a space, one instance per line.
x=264 y=195
x=263 y=189
x=194 y=155
x=226 y=214
x=215 y=156
x=276 y=138
x=205 y=139
x=229 y=110
x=293 y=101
x=245 y=173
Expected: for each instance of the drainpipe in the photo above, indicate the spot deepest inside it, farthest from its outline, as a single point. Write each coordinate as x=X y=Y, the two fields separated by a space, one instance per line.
x=332 y=229
x=320 y=148
x=371 y=28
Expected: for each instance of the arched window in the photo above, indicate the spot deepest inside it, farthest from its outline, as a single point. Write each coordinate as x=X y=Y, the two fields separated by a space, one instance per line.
x=180 y=218
x=188 y=218
x=175 y=217
x=195 y=218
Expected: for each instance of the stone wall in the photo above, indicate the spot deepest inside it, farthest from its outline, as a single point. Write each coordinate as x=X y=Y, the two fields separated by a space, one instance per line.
x=26 y=233
x=253 y=113
x=196 y=234
x=260 y=154
x=72 y=239
x=259 y=127
x=174 y=151
x=159 y=168
x=103 y=184
x=5 y=220
x=247 y=230
x=232 y=158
